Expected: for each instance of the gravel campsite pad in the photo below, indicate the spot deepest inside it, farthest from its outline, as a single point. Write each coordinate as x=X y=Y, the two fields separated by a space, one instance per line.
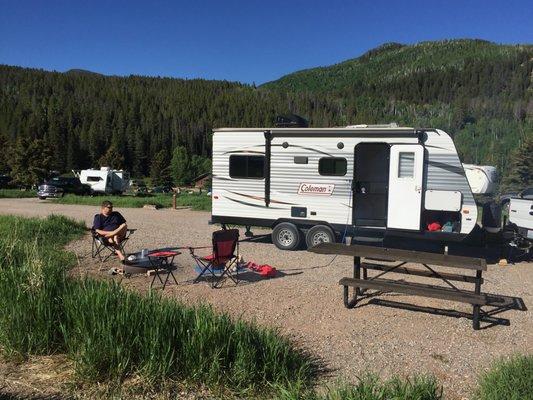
x=305 y=302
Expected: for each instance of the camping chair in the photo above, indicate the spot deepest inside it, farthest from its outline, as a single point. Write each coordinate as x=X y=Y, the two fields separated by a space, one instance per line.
x=220 y=264
x=102 y=249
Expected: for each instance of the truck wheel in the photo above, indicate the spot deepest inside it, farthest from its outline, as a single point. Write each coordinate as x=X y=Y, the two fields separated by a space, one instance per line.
x=286 y=236
x=319 y=234
x=42 y=198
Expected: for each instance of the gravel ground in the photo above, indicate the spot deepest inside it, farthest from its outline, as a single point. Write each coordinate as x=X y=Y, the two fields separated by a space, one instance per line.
x=305 y=302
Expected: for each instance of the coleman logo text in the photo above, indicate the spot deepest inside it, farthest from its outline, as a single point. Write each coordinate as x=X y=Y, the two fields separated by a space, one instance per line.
x=316 y=188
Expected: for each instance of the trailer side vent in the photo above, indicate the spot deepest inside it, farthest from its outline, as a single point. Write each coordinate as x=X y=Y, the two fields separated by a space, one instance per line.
x=299 y=212
x=301 y=160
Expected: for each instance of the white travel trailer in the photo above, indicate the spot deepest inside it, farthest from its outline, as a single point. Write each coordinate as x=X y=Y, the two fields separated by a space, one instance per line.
x=105 y=180
x=327 y=183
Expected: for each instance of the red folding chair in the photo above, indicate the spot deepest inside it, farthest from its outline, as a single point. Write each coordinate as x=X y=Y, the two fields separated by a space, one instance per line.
x=222 y=263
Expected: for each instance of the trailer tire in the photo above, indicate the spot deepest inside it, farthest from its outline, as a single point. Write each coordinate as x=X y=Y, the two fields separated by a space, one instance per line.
x=286 y=236
x=319 y=234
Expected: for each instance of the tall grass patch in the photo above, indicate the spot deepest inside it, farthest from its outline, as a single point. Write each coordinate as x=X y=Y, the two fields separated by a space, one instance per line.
x=370 y=387
x=113 y=334
x=32 y=281
x=510 y=379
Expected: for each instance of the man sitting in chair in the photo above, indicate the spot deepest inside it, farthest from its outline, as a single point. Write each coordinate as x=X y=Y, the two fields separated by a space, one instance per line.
x=111 y=226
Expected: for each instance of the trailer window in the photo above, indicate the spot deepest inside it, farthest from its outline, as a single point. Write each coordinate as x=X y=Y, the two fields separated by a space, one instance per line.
x=406 y=167
x=94 y=179
x=332 y=166
x=247 y=167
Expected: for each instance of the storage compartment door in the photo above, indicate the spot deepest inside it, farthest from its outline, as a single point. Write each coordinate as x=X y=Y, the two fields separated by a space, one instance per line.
x=405 y=186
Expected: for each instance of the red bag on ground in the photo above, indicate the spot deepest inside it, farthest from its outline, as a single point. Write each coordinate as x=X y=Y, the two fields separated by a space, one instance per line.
x=267 y=271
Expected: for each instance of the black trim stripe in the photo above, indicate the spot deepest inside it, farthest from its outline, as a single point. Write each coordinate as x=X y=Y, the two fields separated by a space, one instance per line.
x=244 y=151
x=268 y=156
x=306 y=148
x=252 y=205
x=447 y=167
x=260 y=198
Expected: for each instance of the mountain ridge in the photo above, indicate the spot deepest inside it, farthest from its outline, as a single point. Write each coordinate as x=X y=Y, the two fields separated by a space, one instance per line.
x=430 y=54
x=479 y=92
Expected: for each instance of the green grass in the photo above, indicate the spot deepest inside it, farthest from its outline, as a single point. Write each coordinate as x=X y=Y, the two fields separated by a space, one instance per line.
x=200 y=202
x=32 y=282
x=112 y=334
x=370 y=387
x=510 y=379
x=16 y=193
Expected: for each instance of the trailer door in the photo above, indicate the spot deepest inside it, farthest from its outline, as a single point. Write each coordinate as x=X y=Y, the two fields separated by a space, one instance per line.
x=405 y=186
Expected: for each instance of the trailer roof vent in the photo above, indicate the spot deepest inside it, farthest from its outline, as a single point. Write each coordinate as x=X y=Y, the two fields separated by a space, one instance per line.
x=391 y=125
x=291 y=121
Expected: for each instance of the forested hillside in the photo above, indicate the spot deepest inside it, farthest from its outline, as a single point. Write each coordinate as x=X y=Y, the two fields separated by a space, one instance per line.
x=478 y=91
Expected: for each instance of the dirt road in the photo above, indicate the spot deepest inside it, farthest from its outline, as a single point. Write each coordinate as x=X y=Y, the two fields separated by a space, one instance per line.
x=305 y=302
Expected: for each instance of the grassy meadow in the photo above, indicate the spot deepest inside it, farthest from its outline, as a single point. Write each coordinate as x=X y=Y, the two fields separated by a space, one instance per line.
x=199 y=202
x=16 y=193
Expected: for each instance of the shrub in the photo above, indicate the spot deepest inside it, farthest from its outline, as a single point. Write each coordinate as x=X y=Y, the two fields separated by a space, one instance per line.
x=510 y=379
x=371 y=388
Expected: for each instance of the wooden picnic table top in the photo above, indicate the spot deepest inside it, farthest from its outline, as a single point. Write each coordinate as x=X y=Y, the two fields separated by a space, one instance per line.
x=390 y=254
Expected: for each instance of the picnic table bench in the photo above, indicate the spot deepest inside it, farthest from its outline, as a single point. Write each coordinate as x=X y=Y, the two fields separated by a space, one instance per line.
x=375 y=256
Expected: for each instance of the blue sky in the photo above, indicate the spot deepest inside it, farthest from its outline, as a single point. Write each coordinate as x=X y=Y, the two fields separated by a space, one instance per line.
x=247 y=41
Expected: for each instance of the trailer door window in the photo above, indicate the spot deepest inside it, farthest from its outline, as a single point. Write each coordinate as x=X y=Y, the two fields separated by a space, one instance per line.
x=247 y=167
x=94 y=179
x=406 y=165
x=332 y=166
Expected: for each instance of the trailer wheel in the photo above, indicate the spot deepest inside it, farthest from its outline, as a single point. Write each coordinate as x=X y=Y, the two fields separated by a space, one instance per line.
x=286 y=236
x=319 y=234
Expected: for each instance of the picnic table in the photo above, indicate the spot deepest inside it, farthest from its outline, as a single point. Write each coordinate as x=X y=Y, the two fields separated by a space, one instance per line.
x=375 y=257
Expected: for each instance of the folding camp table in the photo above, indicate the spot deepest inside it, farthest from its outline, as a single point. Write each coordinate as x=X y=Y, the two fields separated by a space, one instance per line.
x=375 y=255
x=162 y=262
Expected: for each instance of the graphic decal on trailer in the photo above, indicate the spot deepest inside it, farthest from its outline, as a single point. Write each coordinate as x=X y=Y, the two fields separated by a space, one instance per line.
x=316 y=188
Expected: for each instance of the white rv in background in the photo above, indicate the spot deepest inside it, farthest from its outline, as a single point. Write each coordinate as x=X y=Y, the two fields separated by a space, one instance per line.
x=322 y=184
x=105 y=180
x=482 y=178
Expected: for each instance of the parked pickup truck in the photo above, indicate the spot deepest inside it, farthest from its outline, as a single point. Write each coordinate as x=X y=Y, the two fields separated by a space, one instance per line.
x=59 y=186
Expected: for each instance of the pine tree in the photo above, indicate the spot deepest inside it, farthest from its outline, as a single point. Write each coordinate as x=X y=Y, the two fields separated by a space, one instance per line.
x=112 y=158
x=160 y=169
x=4 y=152
x=31 y=161
x=521 y=167
x=181 y=167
